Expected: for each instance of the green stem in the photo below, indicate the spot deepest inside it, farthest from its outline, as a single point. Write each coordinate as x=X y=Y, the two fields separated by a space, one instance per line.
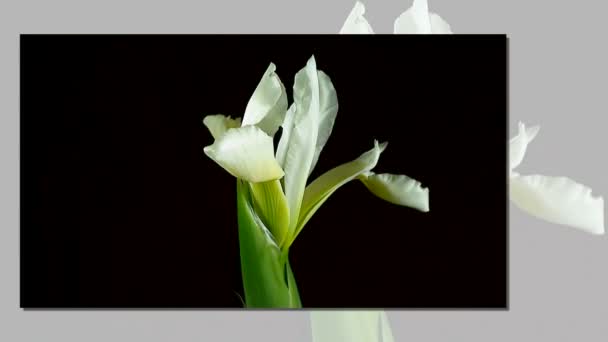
x=268 y=280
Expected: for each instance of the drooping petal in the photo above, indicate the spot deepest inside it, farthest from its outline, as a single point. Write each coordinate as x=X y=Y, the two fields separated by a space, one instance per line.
x=321 y=188
x=246 y=153
x=519 y=143
x=218 y=124
x=559 y=200
x=415 y=20
x=302 y=139
x=328 y=108
x=355 y=22
x=267 y=106
x=397 y=189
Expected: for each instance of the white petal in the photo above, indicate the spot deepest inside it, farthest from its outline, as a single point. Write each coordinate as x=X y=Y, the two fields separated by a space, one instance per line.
x=321 y=188
x=246 y=153
x=559 y=200
x=385 y=326
x=287 y=127
x=302 y=137
x=415 y=20
x=328 y=108
x=350 y=326
x=218 y=124
x=355 y=22
x=438 y=25
x=397 y=189
x=519 y=143
x=268 y=104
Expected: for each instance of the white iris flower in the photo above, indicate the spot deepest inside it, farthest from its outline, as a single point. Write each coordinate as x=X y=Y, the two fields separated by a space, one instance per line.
x=282 y=198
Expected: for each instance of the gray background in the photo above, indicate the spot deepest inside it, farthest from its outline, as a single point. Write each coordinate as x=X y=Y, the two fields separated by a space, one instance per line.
x=558 y=79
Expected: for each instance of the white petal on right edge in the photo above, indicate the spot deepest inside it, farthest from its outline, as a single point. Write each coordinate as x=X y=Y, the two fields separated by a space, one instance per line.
x=415 y=20
x=267 y=106
x=246 y=153
x=321 y=188
x=355 y=22
x=519 y=144
x=218 y=124
x=397 y=189
x=558 y=200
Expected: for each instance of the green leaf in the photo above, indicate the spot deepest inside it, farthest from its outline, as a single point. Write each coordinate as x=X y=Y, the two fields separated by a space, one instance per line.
x=271 y=206
x=268 y=280
x=321 y=188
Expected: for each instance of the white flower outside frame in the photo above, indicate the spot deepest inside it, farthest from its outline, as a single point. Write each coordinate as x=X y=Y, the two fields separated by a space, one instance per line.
x=539 y=195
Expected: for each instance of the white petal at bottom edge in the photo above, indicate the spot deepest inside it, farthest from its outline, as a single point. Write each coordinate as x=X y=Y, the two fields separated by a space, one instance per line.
x=351 y=326
x=246 y=153
x=397 y=189
x=558 y=200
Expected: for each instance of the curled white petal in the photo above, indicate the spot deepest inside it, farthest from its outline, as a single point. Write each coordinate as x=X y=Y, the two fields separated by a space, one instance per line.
x=218 y=124
x=267 y=106
x=246 y=153
x=355 y=22
x=397 y=189
x=519 y=143
x=559 y=200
